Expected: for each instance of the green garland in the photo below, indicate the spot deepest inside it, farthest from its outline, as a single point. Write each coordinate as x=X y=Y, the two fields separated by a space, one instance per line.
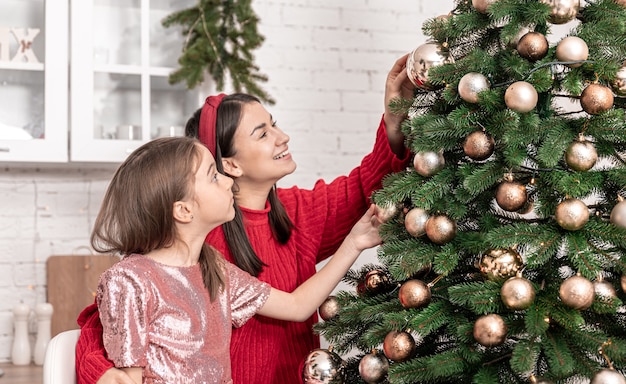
x=220 y=38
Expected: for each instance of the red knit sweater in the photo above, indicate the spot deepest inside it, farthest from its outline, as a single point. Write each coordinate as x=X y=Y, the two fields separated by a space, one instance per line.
x=264 y=350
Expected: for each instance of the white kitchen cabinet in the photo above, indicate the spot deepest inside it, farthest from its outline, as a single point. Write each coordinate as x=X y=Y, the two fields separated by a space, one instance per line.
x=33 y=80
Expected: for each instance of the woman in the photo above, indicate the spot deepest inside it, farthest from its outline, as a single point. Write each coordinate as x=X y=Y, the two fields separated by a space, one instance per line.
x=278 y=235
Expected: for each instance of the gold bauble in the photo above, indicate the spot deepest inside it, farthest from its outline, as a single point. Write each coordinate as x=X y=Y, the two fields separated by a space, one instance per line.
x=399 y=346
x=424 y=57
x=479 y=145
x=386 y=211
x=440 y=229
x=604 y=289
x=521 y=97
x=517 y=293
x=482 y=5
x=490 y=330
x=572 y=48
x=577 y=292
x=621 y=2
x=572 y=214
x=323 y=366
x=596 y=98
x=471 y=84
x=374 y=282
x=500 y=264
x=414 y=294
x=512 y=43
x=415 y=222
x=511 y=195
x=623 y=283
x=619 y=84
x=533 y=46
x=618 y=213
x=428 y=163
x=581 y=155
x=608 y=376
x=373 y=368
x=562 y=11
x=329 y=309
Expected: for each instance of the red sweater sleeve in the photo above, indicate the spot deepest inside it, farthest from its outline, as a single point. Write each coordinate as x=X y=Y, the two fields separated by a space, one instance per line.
x=91 y=360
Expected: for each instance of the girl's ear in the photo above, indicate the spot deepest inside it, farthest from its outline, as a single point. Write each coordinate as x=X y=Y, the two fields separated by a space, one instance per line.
x=231 y=168
x=182 y=212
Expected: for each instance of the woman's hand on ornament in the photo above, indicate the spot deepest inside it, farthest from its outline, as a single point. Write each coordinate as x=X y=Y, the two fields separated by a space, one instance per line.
x=397 y=85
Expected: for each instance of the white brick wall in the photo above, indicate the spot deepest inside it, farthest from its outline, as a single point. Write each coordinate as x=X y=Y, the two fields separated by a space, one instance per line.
x=326 y=60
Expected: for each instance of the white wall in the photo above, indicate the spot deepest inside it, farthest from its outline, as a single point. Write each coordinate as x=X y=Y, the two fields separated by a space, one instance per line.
x=326 y=60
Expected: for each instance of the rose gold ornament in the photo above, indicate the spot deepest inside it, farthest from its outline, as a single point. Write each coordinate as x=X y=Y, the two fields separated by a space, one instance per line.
x=619 y=84
x=596 y=98
x=511 y=195
x=500 y=264
x=386 y=211
x=562 y=11
x=428 y=163
x=581 y=155
x=482 y=5
x=415 y=222
x=515 y=39
x=604 y=289
x=577 y=292
x=471 y=84
x=479 y=145
x=329 y=309
x=608 y=376
x=517 y=293
x=414 y=294
x=440 y=229
x=572 y=48
x=374 y=282
x=621 y=2
x=572 y=214
x=490 y=330
x=373 y=368
x=623 y=282
x=618 y=213
x=533 y=46
x=521 y=97
x=424 y=57
x=399 y=346
x=323 y=366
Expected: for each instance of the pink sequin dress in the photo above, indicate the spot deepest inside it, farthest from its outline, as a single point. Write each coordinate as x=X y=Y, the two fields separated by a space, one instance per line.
x=161 y=318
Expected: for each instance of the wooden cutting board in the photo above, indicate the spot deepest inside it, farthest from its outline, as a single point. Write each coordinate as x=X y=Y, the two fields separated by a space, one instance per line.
x=72 y=283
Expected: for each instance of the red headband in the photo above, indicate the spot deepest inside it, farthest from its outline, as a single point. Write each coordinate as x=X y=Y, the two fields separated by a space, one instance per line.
x=208 y=117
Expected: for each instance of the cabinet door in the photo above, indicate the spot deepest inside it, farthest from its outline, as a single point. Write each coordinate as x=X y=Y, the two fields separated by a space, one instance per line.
x=33 y=80
x=121 y=57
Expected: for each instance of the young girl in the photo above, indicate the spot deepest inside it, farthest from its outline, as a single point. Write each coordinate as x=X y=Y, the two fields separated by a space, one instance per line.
x=167 y=308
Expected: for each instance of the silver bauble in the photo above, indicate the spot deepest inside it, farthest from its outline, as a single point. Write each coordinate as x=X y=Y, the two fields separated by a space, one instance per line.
x=521 y=97
x=577 y=292
x=373 y=368
x=415 y=222
x=562 y=11
x=329 y=309
x=572 y=214
x=619 y=84
x=471 y=84
x=572 y=48
x=618 y=213
x=608 y=376
x=581 y=155
x=482 y=5
x=423 y=58
x=322 y=366
x=428 y=163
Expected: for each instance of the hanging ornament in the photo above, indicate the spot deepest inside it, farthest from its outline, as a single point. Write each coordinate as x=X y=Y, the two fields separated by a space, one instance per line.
x=604 y=289
x=373 y=368
x=517 y=293
x=521 y=97
x=533 y=46
x=562 y=11
x=623 y=282
x=581 y=155
x=323 y=366
x=471 y=84
x=424 y=57
x=440 y=229
x=482 y=5
x=572 y=214
x=511 y=195
x=618 y=213
x=500 y=264
x=577 y=292
x=515 y=39
x=596 y=98
x=572 y=48
x=415 y=222
x=374 y=282
x=414 y=294
x=619 y=84
x=428 y=163
x=621 y=2
x=479 y=145
x=386 y=211
x=399 y=346
x=608 y=376
x=490 y=330
x=329 y=309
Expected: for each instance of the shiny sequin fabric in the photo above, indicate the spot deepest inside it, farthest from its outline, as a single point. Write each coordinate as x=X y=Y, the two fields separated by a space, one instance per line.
x=161 y=318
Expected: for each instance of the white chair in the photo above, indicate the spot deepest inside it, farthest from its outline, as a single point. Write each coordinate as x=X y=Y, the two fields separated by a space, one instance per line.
x=59 y=363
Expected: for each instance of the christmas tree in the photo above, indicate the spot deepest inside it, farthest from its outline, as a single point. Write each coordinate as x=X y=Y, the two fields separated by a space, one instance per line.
x=504 y=246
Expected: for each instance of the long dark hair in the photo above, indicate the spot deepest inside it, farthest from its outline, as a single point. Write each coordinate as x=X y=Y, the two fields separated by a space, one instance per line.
x=228 y=118
x=136 y=215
